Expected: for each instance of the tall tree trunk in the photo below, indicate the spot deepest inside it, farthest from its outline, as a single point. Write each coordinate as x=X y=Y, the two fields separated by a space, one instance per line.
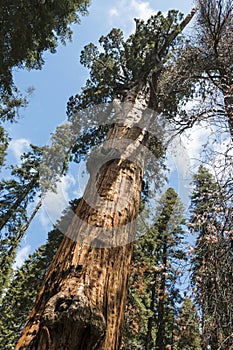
x=81 y=304
x=149 y=338
x=6 y=217
x=10 y=254
x=160 y=335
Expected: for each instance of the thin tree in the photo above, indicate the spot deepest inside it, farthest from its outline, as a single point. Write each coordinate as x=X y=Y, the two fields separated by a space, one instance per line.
x=212 y=260
x=154 y=295
x=189 y=337
x=24 y=286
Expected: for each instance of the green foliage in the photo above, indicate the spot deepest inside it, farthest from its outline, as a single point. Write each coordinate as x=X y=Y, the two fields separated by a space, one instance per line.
x=28 y=28
x=153 y=292
x=212 y=261
x=19 y=297
x=3 y=145
x=121 y=63
x=20 y=190
x=16 y=194
x=21 y=293
x=38 y=172
x=189 y=334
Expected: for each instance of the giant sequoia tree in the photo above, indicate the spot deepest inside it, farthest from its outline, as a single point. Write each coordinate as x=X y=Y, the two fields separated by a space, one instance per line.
x=82 y=300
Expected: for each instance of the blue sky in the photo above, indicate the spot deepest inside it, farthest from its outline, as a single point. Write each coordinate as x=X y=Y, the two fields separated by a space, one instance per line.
x=62 y=76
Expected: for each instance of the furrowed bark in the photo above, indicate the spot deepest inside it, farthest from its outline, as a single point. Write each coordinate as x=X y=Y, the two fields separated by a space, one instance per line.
x=81 y=304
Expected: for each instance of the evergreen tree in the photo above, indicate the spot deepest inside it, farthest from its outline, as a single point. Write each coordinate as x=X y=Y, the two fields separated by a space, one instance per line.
x=39 y=25
x=189 y=337
x=3 y=145
x=212 y=262
x=38 y=172
x=152 y=306
x=16 y=195
x=21 y=293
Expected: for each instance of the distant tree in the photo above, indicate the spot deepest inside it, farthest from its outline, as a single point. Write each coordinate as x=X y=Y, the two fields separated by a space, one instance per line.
x=203 y=68
x=3 y=145
x=16 y=195
x=189 y=337
x=9 y=245
x=214 y=41
x=152 y=306
x=21 y=292
x=212 y=261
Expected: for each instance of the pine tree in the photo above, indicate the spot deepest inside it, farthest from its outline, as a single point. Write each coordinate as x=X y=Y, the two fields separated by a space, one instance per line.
x=188 y=334
x=3 y=145
x=212 y=262
x=40 y=27
x=126 y=71
x=21 y=293
x=152 y=306
x=16 y=195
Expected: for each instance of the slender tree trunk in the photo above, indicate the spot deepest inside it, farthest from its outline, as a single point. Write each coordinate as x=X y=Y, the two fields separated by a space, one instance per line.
x=149 y=338
x=82 y=301
x=10 y=255
x=160 y=336
x=6 y=217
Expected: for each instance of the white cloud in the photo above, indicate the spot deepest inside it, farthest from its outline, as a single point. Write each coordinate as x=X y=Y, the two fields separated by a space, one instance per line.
x=18 y=147
x=122 y=14
x=113 y=12
x=184 y=156
x=55 y=202
x=194 y=140
x=141 y=9
x=21 y=256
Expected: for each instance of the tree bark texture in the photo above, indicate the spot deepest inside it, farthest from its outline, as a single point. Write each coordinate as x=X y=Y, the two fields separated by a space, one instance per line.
x=82 y=301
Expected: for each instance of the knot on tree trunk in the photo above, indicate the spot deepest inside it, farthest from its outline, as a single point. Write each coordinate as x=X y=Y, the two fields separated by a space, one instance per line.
x=72 y=314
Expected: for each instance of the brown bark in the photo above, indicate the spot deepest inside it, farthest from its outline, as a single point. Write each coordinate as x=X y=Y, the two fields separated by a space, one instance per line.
x=82 y=301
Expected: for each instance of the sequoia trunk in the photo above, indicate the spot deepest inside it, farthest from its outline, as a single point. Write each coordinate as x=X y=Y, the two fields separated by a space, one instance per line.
x=82 y=301
x=81 y=304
